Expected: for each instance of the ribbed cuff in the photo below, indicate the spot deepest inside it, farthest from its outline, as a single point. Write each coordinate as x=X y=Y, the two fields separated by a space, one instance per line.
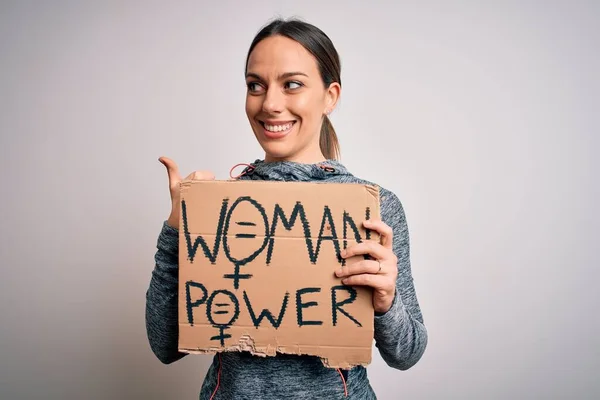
x=395 y=308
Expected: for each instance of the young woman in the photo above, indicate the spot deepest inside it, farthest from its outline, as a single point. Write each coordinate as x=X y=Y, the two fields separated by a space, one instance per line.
x=293 y=83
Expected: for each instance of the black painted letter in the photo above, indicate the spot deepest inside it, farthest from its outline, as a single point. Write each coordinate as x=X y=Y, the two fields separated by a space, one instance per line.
x=300 y=305
x=327 y=220
x=188 y=299
x=337 y=306
x=236 y=276
x=288 y=224
x=265 y=313
x=193 y=248
x=222 y=326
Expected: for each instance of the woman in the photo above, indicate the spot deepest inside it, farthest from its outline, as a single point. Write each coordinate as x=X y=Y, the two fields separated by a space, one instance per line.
x=293 y=83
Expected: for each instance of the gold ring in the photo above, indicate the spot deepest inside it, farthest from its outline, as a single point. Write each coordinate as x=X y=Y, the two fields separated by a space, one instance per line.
x=379 y=266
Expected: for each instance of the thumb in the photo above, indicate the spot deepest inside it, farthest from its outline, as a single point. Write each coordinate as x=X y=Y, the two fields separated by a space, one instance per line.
x=172 y=170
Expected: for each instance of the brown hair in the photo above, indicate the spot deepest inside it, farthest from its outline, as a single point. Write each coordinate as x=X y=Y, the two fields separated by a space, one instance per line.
x=316 y=42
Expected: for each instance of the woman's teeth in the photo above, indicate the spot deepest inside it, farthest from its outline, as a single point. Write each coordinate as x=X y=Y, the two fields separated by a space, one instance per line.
x=278 y=128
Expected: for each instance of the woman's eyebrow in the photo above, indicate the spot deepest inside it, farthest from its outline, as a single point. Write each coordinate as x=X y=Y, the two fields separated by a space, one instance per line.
x=253 y=75
x=290 y=74
x=282 y=76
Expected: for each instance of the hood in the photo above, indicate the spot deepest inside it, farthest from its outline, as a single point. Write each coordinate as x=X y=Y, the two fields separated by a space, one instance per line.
x=290 y=171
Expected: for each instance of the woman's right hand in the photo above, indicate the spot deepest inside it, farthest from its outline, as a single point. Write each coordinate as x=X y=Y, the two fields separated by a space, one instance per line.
x=174 y=179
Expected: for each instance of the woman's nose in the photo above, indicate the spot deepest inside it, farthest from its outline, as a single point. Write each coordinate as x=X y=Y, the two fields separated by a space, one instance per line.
x=274 y=102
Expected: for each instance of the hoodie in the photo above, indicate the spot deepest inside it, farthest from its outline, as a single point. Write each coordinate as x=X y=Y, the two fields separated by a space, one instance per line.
x=400 y=335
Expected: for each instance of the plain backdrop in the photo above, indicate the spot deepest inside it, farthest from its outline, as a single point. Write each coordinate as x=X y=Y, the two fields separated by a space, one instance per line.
x=481 y=116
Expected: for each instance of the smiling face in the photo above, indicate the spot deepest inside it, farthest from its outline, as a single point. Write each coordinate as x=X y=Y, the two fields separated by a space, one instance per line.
x=286 y=100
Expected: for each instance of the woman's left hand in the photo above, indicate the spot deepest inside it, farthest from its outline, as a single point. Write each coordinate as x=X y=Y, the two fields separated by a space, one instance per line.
x=379 y=273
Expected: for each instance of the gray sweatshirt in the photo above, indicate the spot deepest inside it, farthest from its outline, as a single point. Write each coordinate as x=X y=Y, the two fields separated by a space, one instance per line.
x=400 y=335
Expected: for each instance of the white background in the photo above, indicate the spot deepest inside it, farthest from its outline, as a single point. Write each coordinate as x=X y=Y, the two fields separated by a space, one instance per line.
x=482 y=116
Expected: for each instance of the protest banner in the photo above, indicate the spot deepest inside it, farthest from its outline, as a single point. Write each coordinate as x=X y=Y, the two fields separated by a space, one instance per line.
x=256 y=269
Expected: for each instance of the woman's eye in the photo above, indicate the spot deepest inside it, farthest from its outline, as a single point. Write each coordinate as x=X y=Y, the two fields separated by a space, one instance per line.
x=293 y=85
x=254 y=87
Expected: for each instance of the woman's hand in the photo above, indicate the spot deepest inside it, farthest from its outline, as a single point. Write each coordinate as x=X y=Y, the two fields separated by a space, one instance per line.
x=174 y=180
x=379 y=273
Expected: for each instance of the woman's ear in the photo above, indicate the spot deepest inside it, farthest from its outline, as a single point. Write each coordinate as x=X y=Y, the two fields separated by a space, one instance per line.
x=331 y=97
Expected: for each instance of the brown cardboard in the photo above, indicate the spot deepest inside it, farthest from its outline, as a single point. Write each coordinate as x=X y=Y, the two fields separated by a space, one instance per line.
x=219 y=309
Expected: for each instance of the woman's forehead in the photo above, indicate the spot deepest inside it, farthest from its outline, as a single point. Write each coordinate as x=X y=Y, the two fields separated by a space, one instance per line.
x=279 y=54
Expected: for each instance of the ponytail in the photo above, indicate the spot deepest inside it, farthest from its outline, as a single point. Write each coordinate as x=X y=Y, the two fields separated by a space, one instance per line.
x=328 y=141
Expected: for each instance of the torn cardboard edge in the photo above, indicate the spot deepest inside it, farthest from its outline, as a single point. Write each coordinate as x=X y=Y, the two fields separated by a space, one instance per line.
x=246 y=344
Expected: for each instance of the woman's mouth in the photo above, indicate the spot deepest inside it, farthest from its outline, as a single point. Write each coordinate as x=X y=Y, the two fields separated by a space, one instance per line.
x=276 y=130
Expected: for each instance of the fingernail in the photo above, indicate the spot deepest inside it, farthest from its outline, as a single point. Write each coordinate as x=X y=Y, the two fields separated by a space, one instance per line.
x=343 y=253
x=339 y=272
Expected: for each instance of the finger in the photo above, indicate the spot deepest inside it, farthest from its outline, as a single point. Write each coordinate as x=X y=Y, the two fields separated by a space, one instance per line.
x=386 y=233
x=369 y=247
x=375 y=281
x=357 y=268
x=172 y=170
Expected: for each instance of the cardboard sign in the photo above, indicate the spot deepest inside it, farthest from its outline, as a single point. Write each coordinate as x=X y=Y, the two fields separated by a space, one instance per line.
x=256 y=269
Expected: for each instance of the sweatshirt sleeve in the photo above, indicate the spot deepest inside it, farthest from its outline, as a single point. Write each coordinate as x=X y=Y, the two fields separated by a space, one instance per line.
x=400 y=334
x=161 y=298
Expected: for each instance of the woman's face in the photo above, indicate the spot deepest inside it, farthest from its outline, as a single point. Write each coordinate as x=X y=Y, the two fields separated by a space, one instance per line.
x=286 y=100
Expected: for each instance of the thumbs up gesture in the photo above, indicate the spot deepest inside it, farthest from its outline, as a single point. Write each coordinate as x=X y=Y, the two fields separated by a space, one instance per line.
x=174 y=180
